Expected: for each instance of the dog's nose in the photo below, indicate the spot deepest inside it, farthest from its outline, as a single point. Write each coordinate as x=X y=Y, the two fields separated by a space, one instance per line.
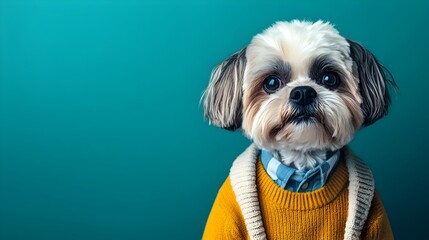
x=303 y=95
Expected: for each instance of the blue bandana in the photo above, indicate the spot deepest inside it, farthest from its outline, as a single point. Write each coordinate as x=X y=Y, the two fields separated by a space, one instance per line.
x=298 y=181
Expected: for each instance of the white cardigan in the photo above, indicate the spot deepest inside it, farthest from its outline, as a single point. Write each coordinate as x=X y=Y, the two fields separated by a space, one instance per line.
x=243 y=180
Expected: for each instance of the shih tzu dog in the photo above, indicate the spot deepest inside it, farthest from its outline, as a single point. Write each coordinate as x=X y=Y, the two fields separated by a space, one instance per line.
x=299 y=91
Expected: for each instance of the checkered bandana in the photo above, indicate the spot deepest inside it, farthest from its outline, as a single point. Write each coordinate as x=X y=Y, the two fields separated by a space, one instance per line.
x=299 y=181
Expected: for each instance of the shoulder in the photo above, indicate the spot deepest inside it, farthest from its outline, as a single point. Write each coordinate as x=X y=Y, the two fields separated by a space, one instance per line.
x=228 y=201
x=377 y=225
x=225 y=220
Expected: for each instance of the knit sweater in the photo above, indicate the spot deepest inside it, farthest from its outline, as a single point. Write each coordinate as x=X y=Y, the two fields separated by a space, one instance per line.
x=281 y=214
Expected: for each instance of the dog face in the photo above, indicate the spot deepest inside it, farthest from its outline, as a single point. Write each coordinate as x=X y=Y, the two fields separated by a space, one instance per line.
x=300 y=86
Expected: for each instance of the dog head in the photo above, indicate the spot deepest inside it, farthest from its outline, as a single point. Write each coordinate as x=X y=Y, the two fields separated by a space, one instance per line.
x=298 y=85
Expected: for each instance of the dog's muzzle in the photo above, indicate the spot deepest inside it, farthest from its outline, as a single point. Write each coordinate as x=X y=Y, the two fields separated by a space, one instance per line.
x=303 y=99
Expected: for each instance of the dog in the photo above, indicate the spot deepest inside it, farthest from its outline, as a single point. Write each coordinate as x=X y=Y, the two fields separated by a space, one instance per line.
x=299 y=90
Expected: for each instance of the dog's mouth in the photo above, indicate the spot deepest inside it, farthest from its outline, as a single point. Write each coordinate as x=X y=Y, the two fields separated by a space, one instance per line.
x=304 y=116
x=299 y=116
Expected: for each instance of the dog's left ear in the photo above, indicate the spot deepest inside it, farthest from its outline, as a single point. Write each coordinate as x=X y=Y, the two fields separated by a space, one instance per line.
x=372 y=83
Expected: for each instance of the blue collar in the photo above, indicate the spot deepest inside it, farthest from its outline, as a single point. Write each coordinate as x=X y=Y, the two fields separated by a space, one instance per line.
x=299 y=181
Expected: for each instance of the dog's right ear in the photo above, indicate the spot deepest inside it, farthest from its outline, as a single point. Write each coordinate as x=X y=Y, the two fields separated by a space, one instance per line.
x=223 y=96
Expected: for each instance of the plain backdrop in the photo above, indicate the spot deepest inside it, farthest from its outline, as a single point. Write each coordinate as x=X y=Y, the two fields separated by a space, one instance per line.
x=102 y=135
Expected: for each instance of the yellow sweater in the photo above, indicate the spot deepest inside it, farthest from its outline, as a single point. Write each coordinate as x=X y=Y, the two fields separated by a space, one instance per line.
x=320 y=214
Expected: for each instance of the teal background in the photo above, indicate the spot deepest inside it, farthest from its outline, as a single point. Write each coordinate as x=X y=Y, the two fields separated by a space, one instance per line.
x=102 y=135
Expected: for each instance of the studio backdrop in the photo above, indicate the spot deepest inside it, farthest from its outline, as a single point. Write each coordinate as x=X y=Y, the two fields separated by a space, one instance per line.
x=101 y=131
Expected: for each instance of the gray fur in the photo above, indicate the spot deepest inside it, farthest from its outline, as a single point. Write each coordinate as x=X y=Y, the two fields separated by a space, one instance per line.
x=281 y=69
x=223 y=96
x=372 y=83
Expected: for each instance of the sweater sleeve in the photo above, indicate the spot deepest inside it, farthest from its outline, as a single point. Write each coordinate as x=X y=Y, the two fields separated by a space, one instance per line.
x=224 y=221
x=377 y=226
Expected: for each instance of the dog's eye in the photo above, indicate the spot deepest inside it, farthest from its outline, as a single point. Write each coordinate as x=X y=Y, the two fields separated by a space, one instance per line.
x=272 y=84
x=330 y=79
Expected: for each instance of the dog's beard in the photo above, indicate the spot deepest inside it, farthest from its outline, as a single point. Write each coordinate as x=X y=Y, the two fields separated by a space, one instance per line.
x=328 y=124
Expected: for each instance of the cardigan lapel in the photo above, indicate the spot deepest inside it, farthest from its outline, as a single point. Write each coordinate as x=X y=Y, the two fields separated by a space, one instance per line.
x=361 y=193
x=243 y=181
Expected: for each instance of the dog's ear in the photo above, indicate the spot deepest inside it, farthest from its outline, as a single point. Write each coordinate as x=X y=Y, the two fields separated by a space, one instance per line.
x=223 y=96
x=372 y=83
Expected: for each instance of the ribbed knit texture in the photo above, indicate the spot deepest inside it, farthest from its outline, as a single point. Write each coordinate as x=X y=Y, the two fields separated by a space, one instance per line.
x=243 y=174
x=361 y=192
x=321 y=214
